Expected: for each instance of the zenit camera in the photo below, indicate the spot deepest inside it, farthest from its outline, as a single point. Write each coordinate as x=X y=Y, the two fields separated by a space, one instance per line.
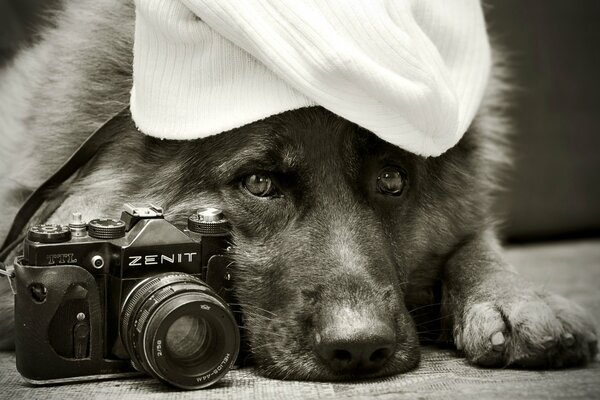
x=112 y=296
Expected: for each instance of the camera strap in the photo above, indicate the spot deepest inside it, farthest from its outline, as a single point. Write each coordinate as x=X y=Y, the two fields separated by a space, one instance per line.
x=78 y=159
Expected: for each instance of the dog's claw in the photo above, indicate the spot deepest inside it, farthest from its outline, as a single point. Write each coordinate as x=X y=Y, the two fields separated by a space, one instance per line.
x=497 y=341
x=568 y=339
x=548 y=341
x=458 y=342
x=317 y=338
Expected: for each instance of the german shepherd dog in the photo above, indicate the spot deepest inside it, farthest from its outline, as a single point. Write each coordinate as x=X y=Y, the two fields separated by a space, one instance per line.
x=349 y=250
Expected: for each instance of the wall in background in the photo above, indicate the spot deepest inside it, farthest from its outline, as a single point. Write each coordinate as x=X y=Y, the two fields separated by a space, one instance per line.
x=554 y=47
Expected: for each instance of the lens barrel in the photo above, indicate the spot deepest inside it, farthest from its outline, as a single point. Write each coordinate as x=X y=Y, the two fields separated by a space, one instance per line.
x=176 y=328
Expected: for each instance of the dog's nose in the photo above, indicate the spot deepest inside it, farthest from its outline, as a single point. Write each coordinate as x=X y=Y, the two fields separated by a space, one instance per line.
x=355 y=345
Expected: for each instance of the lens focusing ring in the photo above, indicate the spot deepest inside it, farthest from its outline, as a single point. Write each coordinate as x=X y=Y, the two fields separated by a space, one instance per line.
x=154 y=305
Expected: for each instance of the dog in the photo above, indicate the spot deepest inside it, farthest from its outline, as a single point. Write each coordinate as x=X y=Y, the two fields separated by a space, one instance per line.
x=349 y=251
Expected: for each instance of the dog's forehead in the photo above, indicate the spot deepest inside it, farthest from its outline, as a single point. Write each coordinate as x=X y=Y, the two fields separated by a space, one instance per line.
x=296 y=139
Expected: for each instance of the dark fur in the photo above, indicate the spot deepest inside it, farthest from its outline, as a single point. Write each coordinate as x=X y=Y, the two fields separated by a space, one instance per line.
x=331 y=241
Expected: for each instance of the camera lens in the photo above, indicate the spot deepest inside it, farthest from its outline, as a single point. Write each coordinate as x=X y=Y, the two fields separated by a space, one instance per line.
x=189 y=339
x=178 y=330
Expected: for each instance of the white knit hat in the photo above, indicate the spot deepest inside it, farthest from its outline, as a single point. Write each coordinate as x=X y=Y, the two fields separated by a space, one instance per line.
x=411 y=71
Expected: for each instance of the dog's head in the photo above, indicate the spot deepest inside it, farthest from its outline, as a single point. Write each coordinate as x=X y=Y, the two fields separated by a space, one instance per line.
x=332 y=228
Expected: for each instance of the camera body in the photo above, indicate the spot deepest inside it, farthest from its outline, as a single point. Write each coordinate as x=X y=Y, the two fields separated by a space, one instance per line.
x=107 y=298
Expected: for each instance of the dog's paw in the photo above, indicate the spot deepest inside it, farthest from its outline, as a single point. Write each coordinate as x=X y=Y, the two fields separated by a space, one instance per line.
x=529 y=330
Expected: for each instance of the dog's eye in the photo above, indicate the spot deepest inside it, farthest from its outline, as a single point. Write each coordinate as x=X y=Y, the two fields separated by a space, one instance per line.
x=391 y=180
x=259 y=185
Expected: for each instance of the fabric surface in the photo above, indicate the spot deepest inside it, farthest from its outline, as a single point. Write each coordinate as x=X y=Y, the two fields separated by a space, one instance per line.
x=571 y=269
x=411 y=71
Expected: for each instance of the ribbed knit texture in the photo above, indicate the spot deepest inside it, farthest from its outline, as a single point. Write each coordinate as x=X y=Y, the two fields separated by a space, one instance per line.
x=411 y=71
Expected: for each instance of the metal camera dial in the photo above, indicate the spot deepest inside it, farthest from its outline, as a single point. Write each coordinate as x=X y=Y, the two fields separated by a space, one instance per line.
x=49 y=233
x=106 y=228
x=77 y=226
x=208 y=221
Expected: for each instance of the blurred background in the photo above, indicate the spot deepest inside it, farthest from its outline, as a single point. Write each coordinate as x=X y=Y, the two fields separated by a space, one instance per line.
x=554 y=48
x=553 y=191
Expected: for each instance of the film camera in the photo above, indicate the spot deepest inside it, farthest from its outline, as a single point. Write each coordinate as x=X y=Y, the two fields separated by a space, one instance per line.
x=109 y=297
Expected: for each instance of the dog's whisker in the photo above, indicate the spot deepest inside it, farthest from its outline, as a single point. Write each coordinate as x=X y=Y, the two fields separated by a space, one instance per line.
x=256 y=308
x=421 y=323
x=265 y=317
x=260 y=347
x=424 y=306
x=271 y=334
x=434 y=331
x=257 y=314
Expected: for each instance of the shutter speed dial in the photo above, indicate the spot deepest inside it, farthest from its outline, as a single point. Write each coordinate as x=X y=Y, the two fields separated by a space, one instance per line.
x=106 y=228
x=209 y=221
